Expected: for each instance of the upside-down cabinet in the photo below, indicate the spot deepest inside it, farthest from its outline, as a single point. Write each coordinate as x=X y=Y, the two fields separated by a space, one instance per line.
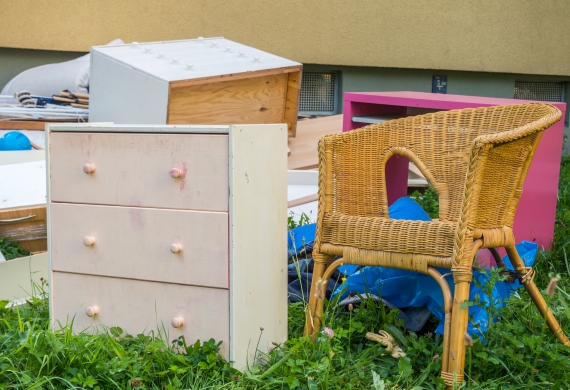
x=193 y=81
x=170 y=228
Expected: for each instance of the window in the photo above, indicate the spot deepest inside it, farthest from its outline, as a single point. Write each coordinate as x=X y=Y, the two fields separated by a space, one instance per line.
x=544 y=91
x=319 y=93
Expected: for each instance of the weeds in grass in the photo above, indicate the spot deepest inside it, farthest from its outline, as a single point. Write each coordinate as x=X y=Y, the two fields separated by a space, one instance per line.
x=10 y=249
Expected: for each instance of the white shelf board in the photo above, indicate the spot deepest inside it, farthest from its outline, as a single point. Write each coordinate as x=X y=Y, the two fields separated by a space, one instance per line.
x=371 y=119
x=22 y=185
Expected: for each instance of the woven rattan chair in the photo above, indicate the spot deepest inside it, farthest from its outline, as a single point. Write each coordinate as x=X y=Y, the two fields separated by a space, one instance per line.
x=475 y=159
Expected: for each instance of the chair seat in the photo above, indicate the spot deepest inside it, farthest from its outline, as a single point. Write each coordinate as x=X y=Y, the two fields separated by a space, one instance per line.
x=389 y=235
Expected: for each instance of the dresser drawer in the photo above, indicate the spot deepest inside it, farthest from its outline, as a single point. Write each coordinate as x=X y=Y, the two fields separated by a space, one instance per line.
x=137 y=169
x=141 y=307
x=175 y=246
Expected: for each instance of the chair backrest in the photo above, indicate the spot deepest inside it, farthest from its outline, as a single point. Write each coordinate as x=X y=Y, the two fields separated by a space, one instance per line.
x=442 y=146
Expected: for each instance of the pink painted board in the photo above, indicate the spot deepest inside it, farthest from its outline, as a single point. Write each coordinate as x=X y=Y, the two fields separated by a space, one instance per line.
x=534 y=220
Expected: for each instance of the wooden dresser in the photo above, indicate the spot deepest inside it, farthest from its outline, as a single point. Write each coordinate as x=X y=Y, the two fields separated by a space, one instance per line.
x=172 y=228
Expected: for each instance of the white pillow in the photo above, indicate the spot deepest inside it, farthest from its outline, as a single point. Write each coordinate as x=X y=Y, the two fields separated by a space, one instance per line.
x=51 y=79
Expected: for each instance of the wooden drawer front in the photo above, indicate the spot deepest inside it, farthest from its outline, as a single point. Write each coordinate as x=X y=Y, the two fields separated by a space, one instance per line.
x=134 y=170
x=135 y=243
x=26 y=225
x=141 y=307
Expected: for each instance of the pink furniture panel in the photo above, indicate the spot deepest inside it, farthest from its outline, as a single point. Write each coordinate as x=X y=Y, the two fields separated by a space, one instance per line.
x=534 y=220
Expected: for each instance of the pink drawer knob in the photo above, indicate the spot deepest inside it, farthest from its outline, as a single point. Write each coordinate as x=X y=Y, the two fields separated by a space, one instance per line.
x=92 y=311
x=177 y=173
x=88 y=168
x=177 y=322
x=176 y=248
x=88 y=240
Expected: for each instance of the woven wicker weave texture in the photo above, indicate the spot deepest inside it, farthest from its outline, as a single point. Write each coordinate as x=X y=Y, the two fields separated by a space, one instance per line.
x=476 y=160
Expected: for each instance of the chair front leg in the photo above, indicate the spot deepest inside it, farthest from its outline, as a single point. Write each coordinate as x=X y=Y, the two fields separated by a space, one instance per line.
x=526 y=276
x=459 y=320
x=315 y=307
x=462 y=276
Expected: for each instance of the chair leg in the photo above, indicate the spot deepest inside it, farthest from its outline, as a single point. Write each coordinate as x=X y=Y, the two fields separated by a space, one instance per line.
x=526 y=276
x=459 y=319
x=313 y=314
x=447 y=304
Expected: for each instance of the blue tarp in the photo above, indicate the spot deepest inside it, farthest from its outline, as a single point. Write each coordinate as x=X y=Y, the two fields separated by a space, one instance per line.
x=410 y=289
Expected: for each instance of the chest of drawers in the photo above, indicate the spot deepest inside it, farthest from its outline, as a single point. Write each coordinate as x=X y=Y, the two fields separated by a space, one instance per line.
x=172 y=228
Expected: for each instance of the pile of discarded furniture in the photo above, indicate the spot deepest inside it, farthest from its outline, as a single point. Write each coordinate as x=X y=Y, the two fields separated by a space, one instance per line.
x=170 y=169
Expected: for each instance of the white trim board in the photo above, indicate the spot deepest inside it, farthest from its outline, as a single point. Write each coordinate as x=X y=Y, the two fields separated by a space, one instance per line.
x=111 y=127
x=258 y=164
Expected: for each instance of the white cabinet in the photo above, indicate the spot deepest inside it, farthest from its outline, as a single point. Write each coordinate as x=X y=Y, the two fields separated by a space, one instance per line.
x=179 y=228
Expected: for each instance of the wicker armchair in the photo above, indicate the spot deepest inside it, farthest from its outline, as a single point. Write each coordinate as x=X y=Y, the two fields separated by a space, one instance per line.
x=476 y=160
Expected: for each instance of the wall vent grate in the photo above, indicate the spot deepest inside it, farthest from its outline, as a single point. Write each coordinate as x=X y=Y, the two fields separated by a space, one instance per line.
x=319 y=93
x=539 y=90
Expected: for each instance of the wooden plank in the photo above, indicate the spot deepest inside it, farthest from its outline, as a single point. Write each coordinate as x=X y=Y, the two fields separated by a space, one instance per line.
x=76 y=94
x=26 y=225
x=302 y=200
x=22 y=125
x=141 y=307
x=304 y=146
x=233 y=77
x=414 y=172
x=134 y=170
x=258 y=211
x=292 y=102
x=17 y=276
x=135 y=243
x=252 y=100
x=22 y=185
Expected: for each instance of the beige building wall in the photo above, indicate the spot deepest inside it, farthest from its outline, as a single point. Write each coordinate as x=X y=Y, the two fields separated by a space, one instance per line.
x=508 y=36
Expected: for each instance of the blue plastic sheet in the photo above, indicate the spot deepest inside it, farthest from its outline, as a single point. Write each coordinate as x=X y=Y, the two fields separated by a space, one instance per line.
x=405 y=289
x=411 y=289
x=300 y=243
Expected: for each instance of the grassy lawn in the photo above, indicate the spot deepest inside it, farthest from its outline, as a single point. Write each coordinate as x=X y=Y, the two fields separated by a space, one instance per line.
x=519 y=351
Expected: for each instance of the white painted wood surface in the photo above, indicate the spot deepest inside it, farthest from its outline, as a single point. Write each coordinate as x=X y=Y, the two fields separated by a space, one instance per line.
x=22 y=184
x=17 y=276
x=258 y=261
x=147 y=96
x=168 y=60
x=140 y=307
x=22 y=156
x=119 y=128
x=133 y=170
x=299 y=185
x=134 y=243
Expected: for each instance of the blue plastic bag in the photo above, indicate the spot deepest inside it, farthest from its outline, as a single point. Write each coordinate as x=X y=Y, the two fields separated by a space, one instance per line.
x=300 y=243
x=406 y=288
x=412 y=289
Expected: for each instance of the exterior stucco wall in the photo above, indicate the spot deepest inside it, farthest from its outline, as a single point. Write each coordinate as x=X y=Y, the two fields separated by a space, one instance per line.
x=506 y=36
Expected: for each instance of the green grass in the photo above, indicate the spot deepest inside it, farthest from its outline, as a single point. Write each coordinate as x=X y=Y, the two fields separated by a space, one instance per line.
x=11 y=250
x=519 y=353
